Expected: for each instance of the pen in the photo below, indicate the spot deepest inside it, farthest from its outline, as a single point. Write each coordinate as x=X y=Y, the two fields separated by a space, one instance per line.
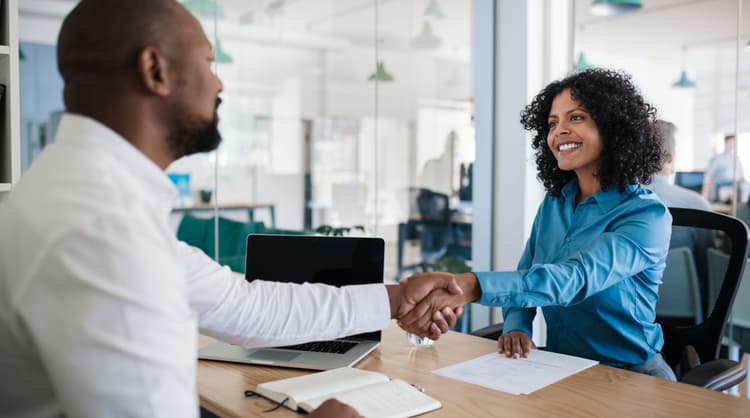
x=417 y=387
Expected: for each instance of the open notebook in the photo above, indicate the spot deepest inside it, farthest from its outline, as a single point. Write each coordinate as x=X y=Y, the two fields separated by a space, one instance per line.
x=372 y=394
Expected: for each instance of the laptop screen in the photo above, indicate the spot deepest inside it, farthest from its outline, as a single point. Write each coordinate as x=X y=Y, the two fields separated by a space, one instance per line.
x=336 y=261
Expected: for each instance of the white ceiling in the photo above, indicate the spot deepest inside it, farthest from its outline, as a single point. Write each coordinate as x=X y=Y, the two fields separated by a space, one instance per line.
x=668 y=24
x=660 y=23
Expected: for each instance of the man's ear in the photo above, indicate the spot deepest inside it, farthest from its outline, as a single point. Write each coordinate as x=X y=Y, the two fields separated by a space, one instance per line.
x=152 y=71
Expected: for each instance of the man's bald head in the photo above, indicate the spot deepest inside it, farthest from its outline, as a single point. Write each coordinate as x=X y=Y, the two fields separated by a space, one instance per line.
x=142 y=68
x=101 y=38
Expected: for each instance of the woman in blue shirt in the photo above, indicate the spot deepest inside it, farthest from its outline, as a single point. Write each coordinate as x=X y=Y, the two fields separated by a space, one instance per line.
x=599 y=241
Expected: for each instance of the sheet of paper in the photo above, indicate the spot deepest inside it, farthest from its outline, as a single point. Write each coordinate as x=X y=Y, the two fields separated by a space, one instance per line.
x=516 y=376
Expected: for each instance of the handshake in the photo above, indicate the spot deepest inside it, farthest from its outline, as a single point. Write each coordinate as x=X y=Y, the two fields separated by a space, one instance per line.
x=428 y=304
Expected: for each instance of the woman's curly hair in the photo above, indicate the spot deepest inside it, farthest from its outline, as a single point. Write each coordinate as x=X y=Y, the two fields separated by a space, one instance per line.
x=632 y=149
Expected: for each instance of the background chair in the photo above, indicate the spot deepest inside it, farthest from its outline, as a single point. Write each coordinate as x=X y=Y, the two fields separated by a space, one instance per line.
x=434 y=225
x=679 y=293
x=430 y=223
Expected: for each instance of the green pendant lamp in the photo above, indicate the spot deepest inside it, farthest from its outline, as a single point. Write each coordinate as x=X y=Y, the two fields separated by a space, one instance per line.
x=433 y=10
x=614 y=7
x=381 y=74
x=426 y=39
x=21 y=55
x=684 y=82
x=582 y=64
x=220 y=55
x=207 y=8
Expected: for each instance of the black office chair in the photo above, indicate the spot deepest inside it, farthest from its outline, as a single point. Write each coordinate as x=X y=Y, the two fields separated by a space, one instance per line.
x=435 y=224
x=693 y=351
x=431 y=225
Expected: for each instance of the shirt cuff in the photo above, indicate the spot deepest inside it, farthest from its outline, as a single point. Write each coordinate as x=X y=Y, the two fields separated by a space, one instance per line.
x=500 y=288
x=370 y=305
x=519 y=320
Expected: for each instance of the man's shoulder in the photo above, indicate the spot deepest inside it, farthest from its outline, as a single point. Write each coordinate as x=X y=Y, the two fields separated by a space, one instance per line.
x=57 y=192
x=680 y=197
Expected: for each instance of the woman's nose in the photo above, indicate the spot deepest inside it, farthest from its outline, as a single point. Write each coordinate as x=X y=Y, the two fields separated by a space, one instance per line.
x=561 y=128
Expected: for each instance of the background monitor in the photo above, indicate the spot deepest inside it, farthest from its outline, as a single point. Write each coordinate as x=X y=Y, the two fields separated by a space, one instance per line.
x=692 y=180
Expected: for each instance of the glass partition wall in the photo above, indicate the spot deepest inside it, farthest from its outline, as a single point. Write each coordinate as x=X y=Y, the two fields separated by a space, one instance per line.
x=339 y=117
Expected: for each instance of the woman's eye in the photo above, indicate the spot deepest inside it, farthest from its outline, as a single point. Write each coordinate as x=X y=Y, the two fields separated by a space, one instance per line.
x=576 y=117
x=551 y=124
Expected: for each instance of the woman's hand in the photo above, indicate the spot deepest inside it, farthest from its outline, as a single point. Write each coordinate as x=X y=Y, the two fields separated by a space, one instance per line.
x=515 y=344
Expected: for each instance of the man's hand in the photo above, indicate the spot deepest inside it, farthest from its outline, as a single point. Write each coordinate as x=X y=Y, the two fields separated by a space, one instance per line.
x=515 y=344
x=334 y=409
x=419 y=313
x=410 y=291
x=423 y=318
x=419 y=286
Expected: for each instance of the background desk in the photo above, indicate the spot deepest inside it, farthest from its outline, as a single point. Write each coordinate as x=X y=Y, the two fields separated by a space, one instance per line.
x=248 y=206
x=600 y=391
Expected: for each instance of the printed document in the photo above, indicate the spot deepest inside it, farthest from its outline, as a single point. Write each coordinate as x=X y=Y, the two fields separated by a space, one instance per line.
x=516 y=376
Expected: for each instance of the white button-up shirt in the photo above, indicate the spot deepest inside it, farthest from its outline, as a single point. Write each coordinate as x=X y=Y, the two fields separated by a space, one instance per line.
x=100 y=304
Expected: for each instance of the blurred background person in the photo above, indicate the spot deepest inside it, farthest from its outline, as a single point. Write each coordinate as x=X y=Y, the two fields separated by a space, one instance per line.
x=662 y=183
x=720 y=170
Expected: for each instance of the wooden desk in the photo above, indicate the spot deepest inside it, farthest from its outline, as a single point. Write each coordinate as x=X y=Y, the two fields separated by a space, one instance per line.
x=600 y=391
x=248 y=206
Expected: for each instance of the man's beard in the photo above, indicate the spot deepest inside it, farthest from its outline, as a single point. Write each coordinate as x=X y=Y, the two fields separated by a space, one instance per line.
x=193 y=134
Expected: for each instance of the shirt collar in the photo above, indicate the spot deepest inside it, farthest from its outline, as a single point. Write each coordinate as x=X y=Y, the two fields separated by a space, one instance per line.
x=83 y=131
x=606 y=199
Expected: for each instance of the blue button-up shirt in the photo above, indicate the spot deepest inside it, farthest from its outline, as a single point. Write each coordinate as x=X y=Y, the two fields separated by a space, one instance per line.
x=595 y=268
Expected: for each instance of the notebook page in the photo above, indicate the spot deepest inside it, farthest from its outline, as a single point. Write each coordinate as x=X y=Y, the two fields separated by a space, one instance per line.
x=320 y=384
x=394 y=399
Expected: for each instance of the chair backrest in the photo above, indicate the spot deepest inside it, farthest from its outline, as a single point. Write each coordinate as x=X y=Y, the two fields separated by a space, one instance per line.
x=741 y=310
x=679 y=293
x=706 y=337
x=434 y=224
x=433 y=206
x=718 y=262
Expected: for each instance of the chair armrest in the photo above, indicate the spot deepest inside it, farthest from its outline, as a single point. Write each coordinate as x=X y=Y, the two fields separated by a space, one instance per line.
x=492 y=332
x=719 y=375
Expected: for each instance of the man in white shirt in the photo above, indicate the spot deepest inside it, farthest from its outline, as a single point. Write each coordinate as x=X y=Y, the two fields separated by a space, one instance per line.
x=99 y=303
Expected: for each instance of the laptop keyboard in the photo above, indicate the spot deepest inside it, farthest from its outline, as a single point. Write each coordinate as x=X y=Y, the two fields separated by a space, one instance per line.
x=335 y=347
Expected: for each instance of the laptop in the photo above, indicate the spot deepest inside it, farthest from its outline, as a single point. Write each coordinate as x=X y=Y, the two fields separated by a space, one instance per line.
x=336 y=261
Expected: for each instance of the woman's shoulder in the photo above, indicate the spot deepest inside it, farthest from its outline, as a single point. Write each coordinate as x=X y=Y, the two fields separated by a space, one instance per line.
x=642 y=202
